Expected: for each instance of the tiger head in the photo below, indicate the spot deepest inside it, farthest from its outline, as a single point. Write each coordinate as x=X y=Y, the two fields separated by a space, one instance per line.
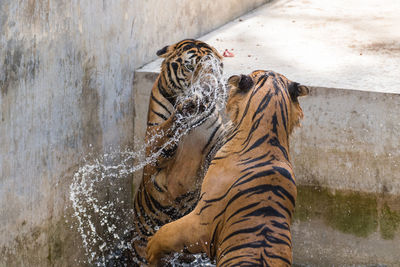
x=250 y=95
x=187 y=60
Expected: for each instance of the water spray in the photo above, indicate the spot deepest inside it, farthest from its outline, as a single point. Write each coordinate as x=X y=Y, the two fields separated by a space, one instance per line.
x=99 y=223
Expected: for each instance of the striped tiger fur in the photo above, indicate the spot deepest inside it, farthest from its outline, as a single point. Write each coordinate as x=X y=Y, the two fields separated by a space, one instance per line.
x=170 y=187
x=249 y=192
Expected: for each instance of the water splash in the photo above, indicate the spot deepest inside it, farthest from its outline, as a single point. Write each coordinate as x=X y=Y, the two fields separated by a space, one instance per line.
x=98 y=194
x=100 y=202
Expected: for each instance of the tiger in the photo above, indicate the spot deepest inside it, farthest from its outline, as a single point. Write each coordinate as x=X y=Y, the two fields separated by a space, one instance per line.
x=248 y=194
x=170 y=187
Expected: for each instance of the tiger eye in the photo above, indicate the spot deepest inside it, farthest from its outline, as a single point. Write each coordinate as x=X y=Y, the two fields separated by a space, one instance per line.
x=189 y=67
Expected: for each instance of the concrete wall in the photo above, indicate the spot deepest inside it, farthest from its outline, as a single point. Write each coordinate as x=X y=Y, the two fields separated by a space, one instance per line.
x=66 y=74
x=347 y=164
x=159 y=23
x=66 y=69
x=345 y=228
x=351 y=141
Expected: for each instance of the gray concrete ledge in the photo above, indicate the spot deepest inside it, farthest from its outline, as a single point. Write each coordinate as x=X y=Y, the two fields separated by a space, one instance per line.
x=334 y=44
x=349 y=140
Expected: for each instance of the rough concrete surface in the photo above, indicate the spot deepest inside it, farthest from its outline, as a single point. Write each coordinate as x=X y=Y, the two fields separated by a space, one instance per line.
x=143 y=83
x=345 y=228
x=315 y=244
x=65 y=90
x=158 y=23
x=323 y=43
x=334 y=44
x=349 y=140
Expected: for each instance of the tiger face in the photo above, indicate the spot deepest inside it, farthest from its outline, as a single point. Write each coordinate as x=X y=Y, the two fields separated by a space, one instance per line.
x=247 y=91
x=186 y=60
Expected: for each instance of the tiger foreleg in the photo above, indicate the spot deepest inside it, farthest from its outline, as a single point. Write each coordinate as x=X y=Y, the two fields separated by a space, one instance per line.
x=164 y=138
x=182 y=235
x=162 y=141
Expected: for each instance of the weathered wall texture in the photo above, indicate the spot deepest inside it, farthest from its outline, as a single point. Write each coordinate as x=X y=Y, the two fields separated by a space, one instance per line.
x=66 y=73
x=346 y=228
x=349 y=140
x=66 y=69
x=161 y=22
x=347 y=163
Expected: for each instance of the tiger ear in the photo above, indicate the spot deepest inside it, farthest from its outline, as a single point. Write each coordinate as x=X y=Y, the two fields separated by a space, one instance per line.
x=243 y=82
x=165 y=51
x=296 y=90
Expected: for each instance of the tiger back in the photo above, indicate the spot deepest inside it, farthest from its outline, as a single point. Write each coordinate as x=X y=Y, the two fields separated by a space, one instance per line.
x=249 y=192
x=170 y=186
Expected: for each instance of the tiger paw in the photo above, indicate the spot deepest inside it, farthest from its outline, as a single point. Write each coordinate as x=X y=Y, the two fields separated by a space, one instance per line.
x=190 y=112
x=153 y=252
x=187 y=108
x=191 y=106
